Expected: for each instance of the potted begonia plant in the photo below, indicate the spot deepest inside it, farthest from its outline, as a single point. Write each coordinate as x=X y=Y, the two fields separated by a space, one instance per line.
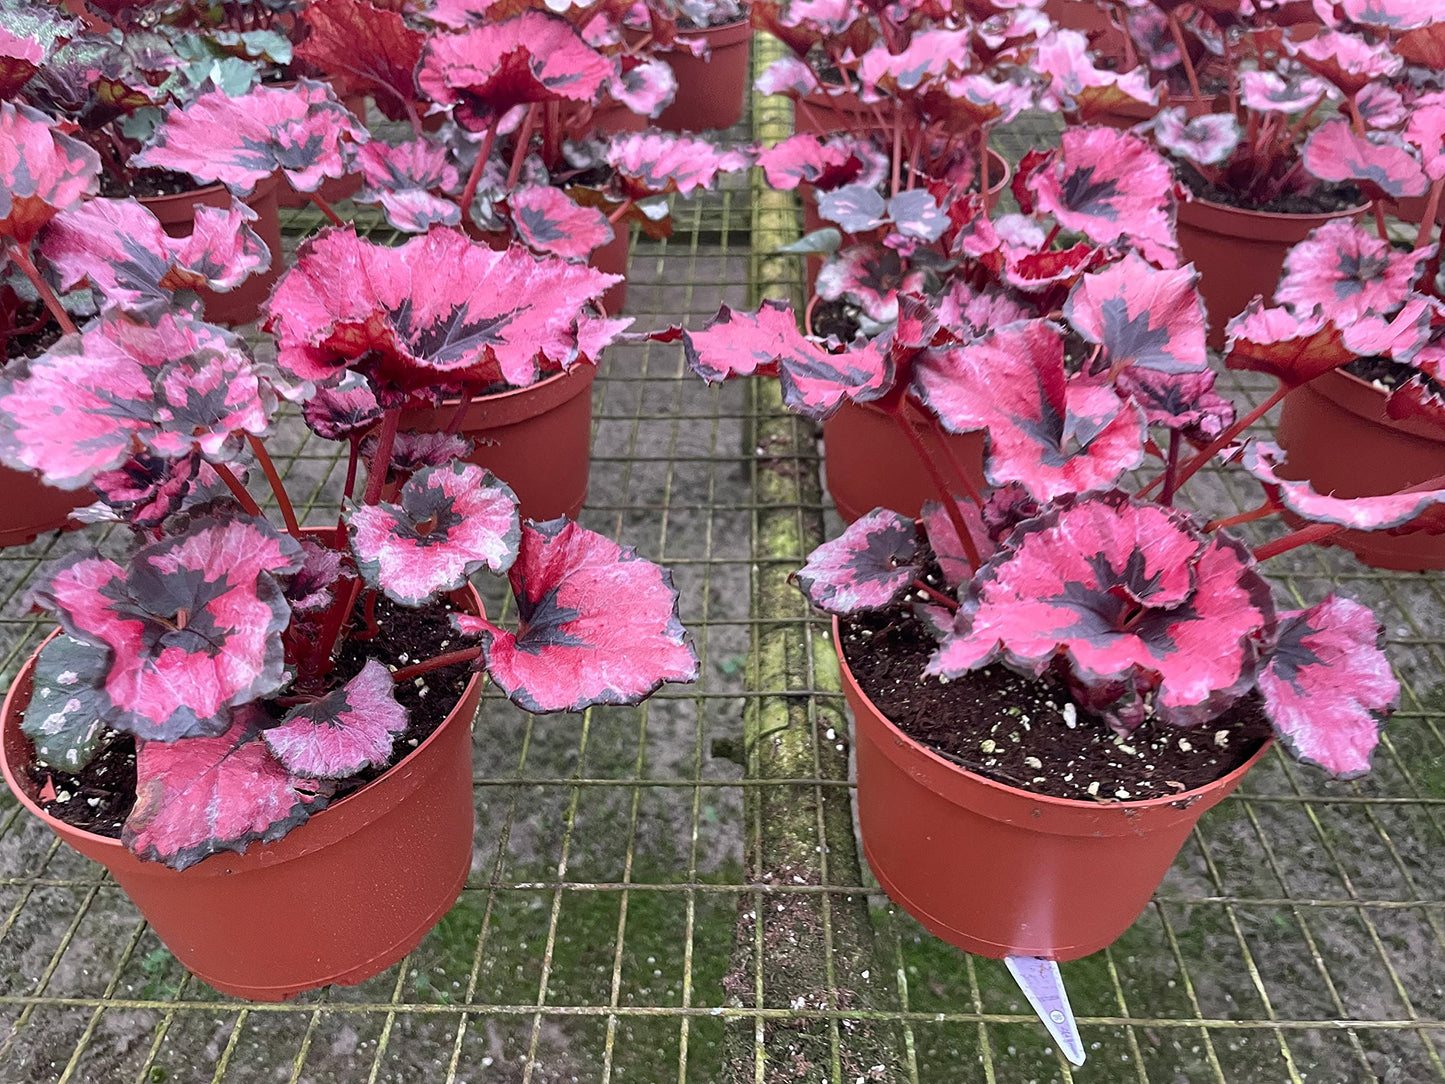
x=1100 y=196
x=1052 y=677
x=1310 y=130
x=263 y=730
x=1358 y=341
x=705 y=43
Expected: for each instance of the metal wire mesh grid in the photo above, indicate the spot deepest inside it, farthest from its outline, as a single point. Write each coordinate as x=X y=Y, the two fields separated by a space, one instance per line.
x=615 y=926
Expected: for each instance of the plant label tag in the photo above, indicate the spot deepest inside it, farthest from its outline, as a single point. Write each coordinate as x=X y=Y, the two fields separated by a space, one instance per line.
x=1044 y=987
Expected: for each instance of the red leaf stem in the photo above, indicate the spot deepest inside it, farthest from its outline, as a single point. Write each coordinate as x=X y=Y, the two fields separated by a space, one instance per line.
x=381 y=458
x=416 y=669
x=941 y=486
x=47 y=295
x=283 y=501
x=247 y=502
x=325 y=208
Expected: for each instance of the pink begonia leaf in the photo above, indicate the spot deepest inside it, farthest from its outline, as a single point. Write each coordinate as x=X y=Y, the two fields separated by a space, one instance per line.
x=64 y=718
x=1131 y=597
x=866 y=568
x=1110 y=186
x=1381 y=106
x=646 y=87
x=815 y=382
x=1293 y=349
x=1263 y=460
x=299 y=130
x=208 y=398
x=597 y=624
x=977 y=99
x=1401 y=336
x=826 y=164
x=1349 y=62
x=411 y=452
x=1052 y=433
x=351 y=728
x=532 y=57
x=550 y=222
x=916 y=214
x=1141 y=315
x=406 y=179
x=312 y=587
x=20 y=56
x=855 y=207
x=928 y=56
x=168 y=677
x=200 y=796
x=41 y=171
x=943 y=539
x=968 y=312
x=177 y=384
x=147 y=488
x=1328 y=688
x=1424 y=47
x=870 y=276
x=452 y=521
x=1271 y=92
x=1392 y=14
x=118 y=245
x=787 y=75
x=654 y=163
x=1205 y=141
x=1380 y=160
x=365 y=48
x=438 y=308
x=1186 y=401
x=1007 y=507
x=455 y=14
x=1346 y=272
x=340 y=412
x=1426 y=130
x=1078 y=86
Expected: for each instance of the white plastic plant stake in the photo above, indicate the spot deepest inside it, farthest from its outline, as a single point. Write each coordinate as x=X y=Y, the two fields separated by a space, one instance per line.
x=1044 y=987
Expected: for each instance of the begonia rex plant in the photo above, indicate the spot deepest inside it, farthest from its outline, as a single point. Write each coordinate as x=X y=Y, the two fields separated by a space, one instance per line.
x=214 y=639
x=1133 y=604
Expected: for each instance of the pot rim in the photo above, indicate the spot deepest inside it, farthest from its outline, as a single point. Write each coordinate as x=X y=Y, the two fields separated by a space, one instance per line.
x=1354 y=385
x=263 y=186
x=1182 y=800
x=1273 y=217
x=62 y=829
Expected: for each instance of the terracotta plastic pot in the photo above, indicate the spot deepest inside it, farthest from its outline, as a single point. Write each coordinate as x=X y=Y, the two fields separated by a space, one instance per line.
x=537 y=440
x=337 y=900
x=711 y=89
x=177 y=216
x=869 y=463
x=1240 y=253
x=999 y=871
x=612 y=258
x=1339 y=437
x=29 y=508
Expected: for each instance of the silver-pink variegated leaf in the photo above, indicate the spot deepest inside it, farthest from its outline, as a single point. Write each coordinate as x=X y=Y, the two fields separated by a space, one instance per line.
x=646 y=86
x=552 y=223
x=1381 y=161
x=1077 y=85
x=1272 y=92
x=351 y=728
x=1292 y=347
x=1328 y=687
x=1111 y=186
x=1141 y=315
x=345 y=410
x=1205 y=140
x=870 y=276
x=1130 y=599
x=450 y=522
x=189 y=628
x=945 y=543
x=119 y=247
x=597 y=624
x=1185 y=401
x=1425 y=130
x=438 y=309
x=1365 y=513
x=1051 y=432
x=805 y=158
x=654 y=163
x=410 y=181
x=1346 y=272
x=42 y=172
x=1349 y=61
x=199 y=796
x=869 y=566
x=301 y=130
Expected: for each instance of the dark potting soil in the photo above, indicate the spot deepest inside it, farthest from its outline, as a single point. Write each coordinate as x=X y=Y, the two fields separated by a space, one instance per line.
x=1323 y=199
x=35 y=343
x=99 y=798
x=1026 y=732
x=1386 y=372
x=836 y=318
x=148 y=182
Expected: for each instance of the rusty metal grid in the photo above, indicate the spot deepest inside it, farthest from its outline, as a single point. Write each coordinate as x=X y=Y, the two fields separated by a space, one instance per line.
x=615 y=926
